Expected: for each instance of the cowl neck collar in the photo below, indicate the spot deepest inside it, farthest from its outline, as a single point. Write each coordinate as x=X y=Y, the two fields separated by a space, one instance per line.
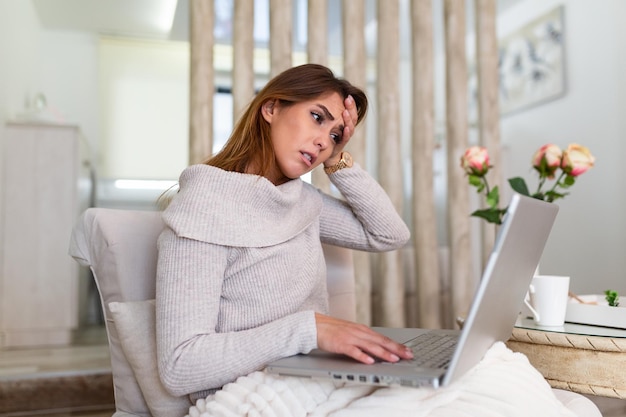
x=235 y=209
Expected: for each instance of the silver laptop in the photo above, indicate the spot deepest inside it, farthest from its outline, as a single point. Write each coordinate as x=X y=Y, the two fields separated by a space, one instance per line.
x=496 y=305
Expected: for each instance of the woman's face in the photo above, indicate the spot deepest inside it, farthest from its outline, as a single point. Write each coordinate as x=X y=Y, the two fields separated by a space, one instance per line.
x=304 y=134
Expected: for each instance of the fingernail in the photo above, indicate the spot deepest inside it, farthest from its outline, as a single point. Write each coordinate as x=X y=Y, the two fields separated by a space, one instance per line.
x=394 y=358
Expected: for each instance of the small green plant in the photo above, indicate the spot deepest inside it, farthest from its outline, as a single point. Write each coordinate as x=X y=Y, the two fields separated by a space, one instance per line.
x=612 y=297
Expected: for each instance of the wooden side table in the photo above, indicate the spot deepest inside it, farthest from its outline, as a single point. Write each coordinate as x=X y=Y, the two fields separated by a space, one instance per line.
x=585 y=359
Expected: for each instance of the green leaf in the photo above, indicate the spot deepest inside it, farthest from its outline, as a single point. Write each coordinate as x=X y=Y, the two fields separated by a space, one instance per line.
x=519 y=185
x=538 y=196
x=493 y=198
x=491 y=215
x=553 y=195
x=474 y=180
x=568 y=181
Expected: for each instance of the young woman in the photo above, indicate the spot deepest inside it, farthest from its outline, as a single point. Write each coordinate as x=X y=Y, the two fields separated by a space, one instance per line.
x=241 y=278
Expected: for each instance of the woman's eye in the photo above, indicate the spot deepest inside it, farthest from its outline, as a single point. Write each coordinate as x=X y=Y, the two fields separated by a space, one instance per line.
x=318 y=117
x=336 y=138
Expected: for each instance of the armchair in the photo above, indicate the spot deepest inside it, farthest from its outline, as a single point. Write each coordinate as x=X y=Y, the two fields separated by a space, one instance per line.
x=119 y=246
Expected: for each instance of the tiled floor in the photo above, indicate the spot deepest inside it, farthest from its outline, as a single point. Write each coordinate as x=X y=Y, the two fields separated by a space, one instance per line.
x=90 y=354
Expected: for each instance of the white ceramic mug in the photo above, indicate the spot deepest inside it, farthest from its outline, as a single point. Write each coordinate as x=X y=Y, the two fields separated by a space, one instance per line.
x=548 y=299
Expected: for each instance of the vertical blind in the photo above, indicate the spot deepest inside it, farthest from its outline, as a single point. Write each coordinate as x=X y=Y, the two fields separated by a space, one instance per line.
x=405 y=287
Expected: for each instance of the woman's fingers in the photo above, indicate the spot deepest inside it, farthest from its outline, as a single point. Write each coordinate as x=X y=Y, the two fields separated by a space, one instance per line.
x=383 y=348
x=352 y=110
x=357 y=341
x=350 y=117
x=389 y=351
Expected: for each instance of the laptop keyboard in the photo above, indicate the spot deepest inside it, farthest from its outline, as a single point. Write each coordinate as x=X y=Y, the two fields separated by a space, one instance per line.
x=432 y=350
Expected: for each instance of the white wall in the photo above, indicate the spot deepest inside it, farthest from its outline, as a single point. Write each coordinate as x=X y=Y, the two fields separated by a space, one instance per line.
x=144 y=95
x=19 y=45
x=19 y=48
x=68 y=76
x=588 y=239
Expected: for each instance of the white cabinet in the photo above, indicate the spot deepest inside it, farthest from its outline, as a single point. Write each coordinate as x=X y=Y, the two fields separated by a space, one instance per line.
x=46 y=185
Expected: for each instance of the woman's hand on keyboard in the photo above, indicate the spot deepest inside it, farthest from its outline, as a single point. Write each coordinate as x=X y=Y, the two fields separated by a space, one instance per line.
x=357 y=341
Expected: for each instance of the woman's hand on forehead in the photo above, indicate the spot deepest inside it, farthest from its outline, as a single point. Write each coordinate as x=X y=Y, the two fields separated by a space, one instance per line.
x=350 y=117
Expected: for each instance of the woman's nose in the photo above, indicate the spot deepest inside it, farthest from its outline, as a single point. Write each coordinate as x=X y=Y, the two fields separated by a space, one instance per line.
x=322 y=142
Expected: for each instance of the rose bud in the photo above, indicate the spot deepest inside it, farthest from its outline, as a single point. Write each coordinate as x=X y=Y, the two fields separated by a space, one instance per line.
x=547 y=160
x=577 y=160
x=475 y=161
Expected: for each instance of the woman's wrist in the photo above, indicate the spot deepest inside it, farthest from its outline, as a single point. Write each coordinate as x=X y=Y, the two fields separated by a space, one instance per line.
x=333 y=160
x=344 y=161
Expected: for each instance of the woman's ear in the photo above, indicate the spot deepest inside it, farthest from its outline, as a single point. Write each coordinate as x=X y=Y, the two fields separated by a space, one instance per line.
x=267 y=109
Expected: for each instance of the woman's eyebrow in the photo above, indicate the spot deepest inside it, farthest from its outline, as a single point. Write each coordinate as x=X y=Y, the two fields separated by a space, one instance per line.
x=328 y=114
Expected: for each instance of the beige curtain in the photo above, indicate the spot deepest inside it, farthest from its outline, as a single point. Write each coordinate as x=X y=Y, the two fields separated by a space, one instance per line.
x=488 y=113
x=243 y=56
x=418 y=285
x=389 y=284
x=424 y=307
x=456 y=143
x=281 y=12
x=355 y=70
x=201 y=83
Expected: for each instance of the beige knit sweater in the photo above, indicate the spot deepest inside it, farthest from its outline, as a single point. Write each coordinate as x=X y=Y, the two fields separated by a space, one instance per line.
x=241 y=269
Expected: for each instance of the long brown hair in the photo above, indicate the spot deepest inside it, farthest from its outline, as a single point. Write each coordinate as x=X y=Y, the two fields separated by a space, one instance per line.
x=250 y=145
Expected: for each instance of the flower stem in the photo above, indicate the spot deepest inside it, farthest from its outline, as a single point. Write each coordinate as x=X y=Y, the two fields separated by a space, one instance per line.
x=558 y=181
x=542 y=181
x=484 y=177
x=556 y=184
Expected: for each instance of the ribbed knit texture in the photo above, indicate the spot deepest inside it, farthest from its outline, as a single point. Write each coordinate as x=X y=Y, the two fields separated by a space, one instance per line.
x=241 y=269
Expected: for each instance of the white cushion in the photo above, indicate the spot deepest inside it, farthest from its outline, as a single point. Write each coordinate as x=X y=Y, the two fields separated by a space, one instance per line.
x=120 y=248
x=135 y=323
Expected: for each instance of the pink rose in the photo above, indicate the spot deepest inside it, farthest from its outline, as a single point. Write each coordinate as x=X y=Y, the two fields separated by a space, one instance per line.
x=547 y=160
x=475 y=161
x=577 y=160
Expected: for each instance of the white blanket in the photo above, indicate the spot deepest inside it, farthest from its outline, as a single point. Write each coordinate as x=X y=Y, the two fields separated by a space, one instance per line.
x=502 y=384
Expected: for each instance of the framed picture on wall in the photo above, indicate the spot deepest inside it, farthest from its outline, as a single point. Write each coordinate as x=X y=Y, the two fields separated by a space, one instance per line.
x=532 y=63
x=531 y=66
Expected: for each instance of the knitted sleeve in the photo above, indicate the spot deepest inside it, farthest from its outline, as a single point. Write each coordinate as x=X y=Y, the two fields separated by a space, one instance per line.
x=366 y=220
x=192 y=356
